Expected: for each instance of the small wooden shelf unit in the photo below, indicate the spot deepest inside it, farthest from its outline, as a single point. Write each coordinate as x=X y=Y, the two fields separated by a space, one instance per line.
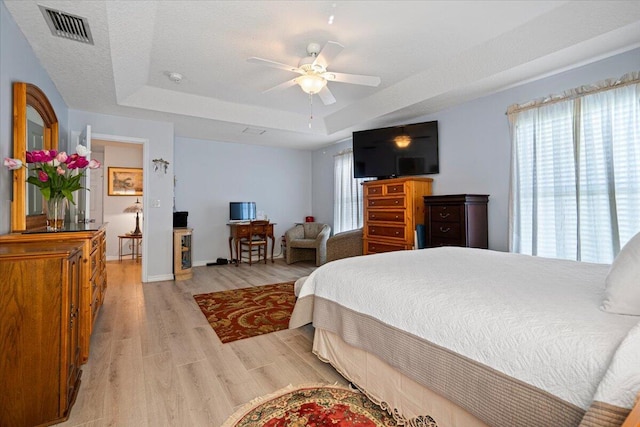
x=182 y=253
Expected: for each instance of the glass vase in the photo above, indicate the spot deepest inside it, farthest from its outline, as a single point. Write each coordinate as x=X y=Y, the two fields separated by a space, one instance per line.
x=56 y=211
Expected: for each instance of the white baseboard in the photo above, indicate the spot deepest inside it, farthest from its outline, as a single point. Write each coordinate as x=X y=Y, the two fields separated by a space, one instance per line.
x=159 y=278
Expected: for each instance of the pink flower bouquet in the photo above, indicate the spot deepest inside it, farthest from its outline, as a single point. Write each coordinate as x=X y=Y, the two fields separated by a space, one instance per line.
x=57 y=174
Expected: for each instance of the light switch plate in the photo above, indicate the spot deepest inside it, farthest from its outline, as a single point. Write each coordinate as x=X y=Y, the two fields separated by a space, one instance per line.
x=155 y=203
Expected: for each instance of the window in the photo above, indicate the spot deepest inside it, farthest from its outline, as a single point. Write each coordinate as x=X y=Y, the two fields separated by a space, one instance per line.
x=575 y=184
x=347 y=206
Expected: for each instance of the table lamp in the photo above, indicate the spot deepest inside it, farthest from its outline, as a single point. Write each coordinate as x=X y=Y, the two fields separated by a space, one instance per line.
x=137 y=208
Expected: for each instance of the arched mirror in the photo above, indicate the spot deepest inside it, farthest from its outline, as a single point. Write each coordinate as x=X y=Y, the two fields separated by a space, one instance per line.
x=35 y=127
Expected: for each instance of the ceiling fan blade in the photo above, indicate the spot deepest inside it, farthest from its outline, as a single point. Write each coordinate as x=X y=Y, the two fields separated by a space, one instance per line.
x=282 y=86
x=356 y=79
x=326 y=96
x=328 y=53
x=274 y=64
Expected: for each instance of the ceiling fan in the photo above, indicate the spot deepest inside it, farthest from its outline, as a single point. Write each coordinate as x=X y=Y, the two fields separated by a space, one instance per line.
x=313 y=72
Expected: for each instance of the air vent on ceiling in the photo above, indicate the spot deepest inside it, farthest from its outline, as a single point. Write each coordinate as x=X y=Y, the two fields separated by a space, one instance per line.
x=67 y=26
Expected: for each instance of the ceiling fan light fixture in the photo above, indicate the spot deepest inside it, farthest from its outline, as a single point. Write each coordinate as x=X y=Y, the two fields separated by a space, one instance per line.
x=311 y=83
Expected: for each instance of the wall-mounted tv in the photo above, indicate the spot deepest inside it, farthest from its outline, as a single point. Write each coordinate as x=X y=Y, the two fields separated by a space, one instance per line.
x=396 y=151
x=242 y=211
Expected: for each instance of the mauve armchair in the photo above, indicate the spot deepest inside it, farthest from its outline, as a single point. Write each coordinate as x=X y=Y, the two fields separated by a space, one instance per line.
x=307 y=242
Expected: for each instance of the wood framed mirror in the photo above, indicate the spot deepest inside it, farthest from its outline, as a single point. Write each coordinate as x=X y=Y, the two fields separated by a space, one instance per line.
x=35 y=127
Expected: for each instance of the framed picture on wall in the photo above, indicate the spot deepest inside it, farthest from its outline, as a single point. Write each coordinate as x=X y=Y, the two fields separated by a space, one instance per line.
x=125 y=181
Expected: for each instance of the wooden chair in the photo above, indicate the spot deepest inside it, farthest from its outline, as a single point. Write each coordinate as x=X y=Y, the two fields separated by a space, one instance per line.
x=257 y=238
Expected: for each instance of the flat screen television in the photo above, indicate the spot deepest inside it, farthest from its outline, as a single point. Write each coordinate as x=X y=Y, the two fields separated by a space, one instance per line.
x=242 y=211
x=396 y=151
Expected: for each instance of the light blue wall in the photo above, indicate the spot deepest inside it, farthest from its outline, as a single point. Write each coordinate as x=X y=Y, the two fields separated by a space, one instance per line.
x=210 y=174
x=18 y=63
x=475 y=143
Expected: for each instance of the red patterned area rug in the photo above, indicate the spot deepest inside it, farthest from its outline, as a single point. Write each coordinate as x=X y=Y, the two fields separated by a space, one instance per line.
x=242 y=313
x=316 y=405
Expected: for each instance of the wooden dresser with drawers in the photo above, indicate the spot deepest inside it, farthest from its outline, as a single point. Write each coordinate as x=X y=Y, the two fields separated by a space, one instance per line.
x=456 y=220
x=39 y=331
x=93 y=270
x=392 y=209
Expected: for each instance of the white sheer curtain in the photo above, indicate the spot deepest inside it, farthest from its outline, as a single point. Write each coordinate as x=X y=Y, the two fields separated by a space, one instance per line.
x=347 y=206
x=575 y=188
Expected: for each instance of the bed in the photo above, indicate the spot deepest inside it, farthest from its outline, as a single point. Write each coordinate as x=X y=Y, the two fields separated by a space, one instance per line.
x=471 y=337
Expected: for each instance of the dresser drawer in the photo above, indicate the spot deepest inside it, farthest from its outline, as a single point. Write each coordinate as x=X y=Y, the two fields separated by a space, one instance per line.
x=387 y=216
x=96 y=260
x=242 y=230
x=387 y=202
x=394 y=189
x=377 y=247
x=96 y=241
x=374 y=190
x=448 y=213
x=386 y=231
x=95 y=306
x=447 y=230
x=441 y=241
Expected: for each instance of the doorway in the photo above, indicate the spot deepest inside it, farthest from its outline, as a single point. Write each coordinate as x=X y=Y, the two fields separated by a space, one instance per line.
x=119 y=152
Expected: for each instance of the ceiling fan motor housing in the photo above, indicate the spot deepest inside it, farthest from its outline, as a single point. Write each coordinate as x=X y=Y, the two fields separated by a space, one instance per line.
x=307 y=64
x=313 y=49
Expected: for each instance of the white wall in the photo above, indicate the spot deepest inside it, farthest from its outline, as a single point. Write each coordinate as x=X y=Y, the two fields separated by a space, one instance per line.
x=123 y=156
x=211 y=174
x=157 y=250
x=475 y=143
x=18 y=63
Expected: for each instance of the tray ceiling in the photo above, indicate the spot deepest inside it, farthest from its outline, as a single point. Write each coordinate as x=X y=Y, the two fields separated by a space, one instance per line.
x=430 y=55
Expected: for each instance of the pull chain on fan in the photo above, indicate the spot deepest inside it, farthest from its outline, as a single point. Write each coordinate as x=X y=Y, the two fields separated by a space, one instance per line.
x=310 y=109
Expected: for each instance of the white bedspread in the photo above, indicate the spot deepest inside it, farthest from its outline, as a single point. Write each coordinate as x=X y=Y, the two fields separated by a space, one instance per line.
x=532 y=318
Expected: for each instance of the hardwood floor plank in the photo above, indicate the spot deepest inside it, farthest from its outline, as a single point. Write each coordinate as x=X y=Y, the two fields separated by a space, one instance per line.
x=153 y=336
x=166 y=405
x=182 y=342
x=125 y=392
x=206 y=398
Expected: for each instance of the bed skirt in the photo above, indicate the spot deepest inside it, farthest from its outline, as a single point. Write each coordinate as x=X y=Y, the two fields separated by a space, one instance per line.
x=408 y=401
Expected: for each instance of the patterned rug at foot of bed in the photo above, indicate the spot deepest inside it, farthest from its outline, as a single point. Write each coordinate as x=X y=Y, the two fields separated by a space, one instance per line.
x=317 y=405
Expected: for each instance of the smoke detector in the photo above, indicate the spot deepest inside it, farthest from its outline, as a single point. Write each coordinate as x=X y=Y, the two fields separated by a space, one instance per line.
x=175 y=77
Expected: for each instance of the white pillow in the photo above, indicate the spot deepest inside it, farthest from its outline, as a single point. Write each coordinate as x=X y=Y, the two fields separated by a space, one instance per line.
x=622 y=285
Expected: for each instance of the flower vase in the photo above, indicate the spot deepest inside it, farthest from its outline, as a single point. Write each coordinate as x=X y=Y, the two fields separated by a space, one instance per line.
x=56 y=210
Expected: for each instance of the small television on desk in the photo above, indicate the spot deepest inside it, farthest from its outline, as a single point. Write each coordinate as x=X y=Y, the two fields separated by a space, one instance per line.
x=242 y=211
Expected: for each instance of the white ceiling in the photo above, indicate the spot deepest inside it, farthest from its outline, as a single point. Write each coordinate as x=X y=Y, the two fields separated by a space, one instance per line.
x=430 y=55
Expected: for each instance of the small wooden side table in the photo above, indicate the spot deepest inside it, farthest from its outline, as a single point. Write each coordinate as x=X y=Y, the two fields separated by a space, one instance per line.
x=135 y=242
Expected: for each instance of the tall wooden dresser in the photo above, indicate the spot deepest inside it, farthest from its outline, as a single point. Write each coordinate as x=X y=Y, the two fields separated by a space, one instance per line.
x=392 y=209
x=39 y=333
x=456 y=220
x=93 y=269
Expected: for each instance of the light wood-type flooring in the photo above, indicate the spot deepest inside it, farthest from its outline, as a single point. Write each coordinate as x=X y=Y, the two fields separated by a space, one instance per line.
x=155 y=361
